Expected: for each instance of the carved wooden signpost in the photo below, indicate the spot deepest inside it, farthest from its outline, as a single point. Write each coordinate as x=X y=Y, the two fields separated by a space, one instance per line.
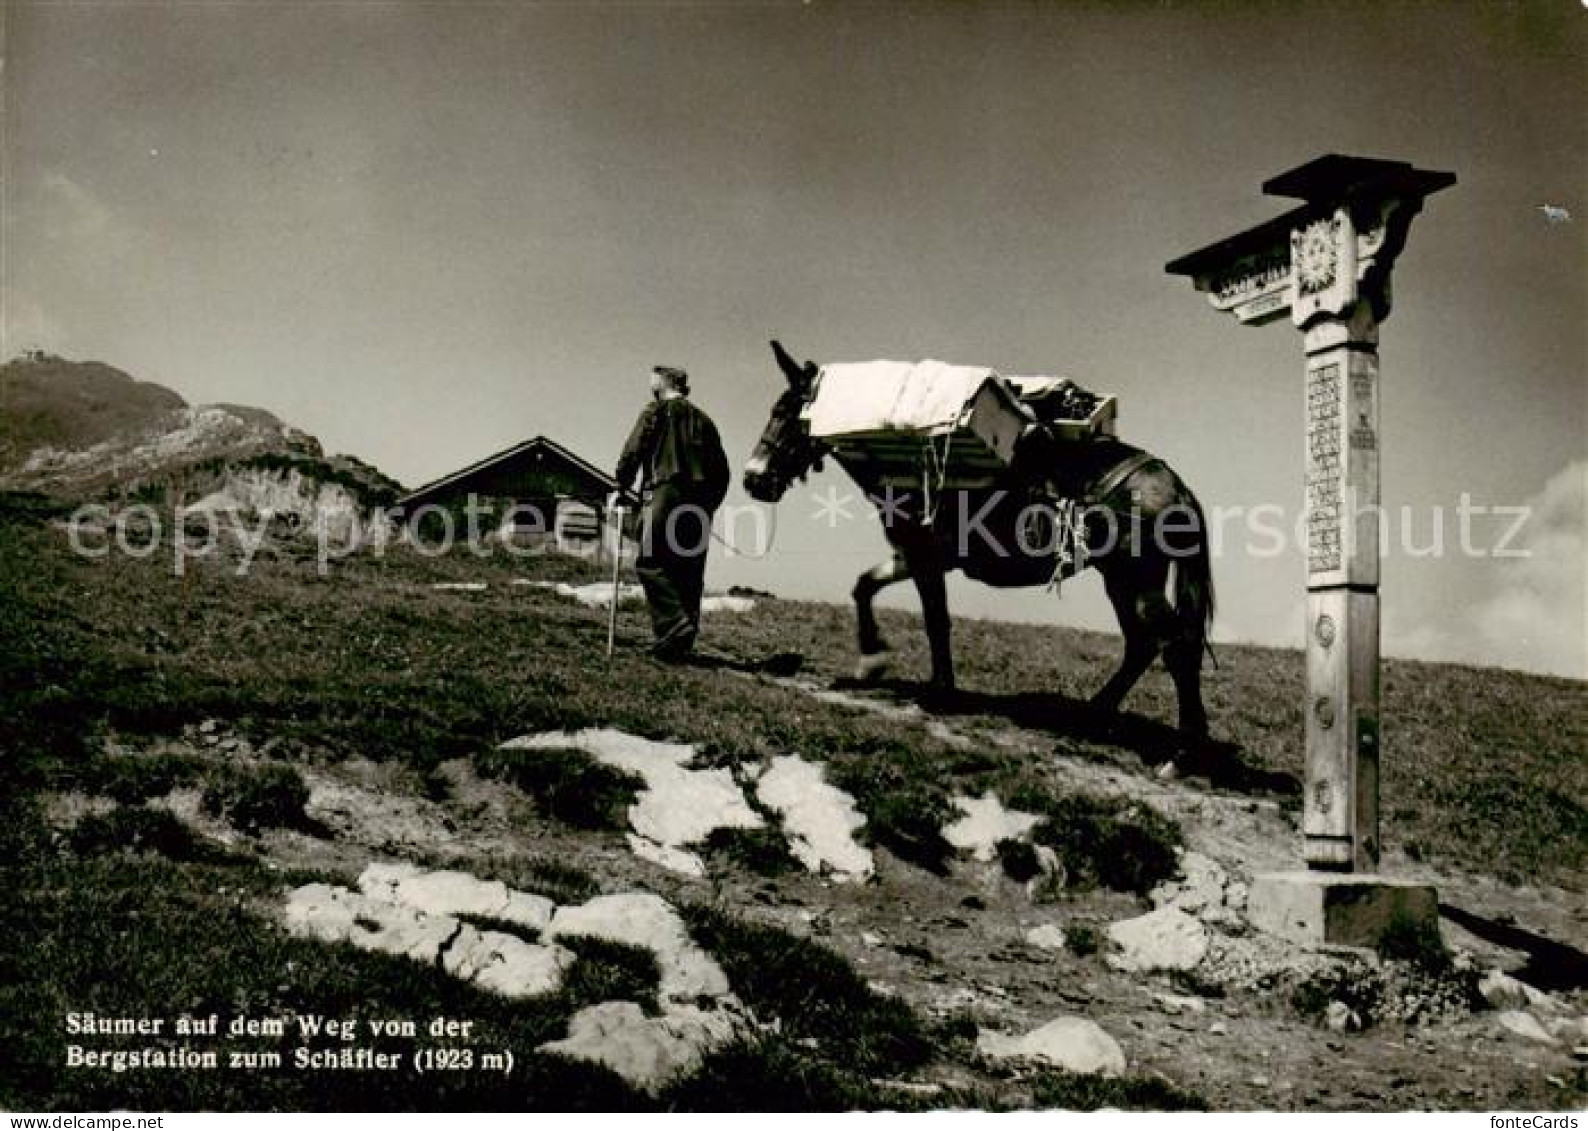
x=1327 y=264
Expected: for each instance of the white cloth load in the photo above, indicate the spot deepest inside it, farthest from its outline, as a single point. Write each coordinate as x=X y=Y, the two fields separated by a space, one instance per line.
x=928 y=422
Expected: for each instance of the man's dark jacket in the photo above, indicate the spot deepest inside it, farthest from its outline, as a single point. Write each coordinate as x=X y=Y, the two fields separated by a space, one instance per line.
x=675 y=442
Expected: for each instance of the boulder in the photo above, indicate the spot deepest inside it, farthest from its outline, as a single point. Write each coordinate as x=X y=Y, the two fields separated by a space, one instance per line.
x=1049 y=936
x=505 y=963
x=645 y=920
x=1341 y=1018
x=646 y=1051
x=1175 y=1004
x=1502 y=991
x=1524 y=1024
x=1071 y=1043
x=335 y=914
x=492 y=960
x=1166 y=939
x=454 y=893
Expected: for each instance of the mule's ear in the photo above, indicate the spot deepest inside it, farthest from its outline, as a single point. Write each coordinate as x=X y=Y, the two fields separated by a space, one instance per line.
x=796 y=374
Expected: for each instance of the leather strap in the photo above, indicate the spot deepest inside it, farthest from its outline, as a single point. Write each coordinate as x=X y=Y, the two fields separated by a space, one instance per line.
x=1116 y=478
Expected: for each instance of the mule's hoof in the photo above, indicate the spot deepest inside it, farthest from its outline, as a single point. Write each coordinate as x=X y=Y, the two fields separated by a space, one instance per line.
x=872 y=667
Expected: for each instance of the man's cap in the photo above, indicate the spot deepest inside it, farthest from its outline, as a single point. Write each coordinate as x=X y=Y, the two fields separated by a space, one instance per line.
x=677 y=378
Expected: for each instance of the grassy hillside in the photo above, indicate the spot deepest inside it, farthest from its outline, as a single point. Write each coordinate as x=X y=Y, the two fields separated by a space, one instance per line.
x=50 y=401
x=104 y=660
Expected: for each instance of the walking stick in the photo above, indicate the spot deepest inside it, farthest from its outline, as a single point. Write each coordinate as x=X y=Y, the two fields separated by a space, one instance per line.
x=617 y=564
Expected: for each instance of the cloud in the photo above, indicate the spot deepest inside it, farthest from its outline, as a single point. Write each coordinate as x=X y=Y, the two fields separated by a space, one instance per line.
x=1533 y=614
x=1538 y=617
x=76 y=215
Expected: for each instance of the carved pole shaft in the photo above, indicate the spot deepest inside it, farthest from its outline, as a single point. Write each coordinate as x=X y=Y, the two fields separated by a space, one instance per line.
x=1340 y=811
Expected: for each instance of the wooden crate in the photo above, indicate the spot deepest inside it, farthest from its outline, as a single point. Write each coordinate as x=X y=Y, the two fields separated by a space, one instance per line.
x=1101 y=422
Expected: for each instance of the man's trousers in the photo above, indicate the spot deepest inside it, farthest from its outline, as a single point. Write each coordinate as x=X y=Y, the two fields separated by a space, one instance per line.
x=674 y=536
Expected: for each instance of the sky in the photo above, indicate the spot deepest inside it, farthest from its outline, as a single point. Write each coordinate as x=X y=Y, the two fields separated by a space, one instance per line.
x=426 y=232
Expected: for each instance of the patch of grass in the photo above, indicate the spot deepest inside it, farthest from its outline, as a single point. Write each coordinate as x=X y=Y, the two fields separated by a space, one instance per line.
x=770 y=1073
x=763 y=851
x=1018 y=859
x=904 y=804
x=568 y=785
x=500 y=926
x=1555 y=821
x=611 y=971
x=1118 y=844
x=143 y=830
x=1082 y=938
x=134 y=778
x=955 y=1028
x=255 y=796
x=1415 y=941
x=1053 y=1089
x=32 y=508
x=812 y=992
x=557 y=880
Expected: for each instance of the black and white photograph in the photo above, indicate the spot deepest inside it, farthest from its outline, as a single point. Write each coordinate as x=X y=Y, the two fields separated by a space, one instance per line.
x=793 y=555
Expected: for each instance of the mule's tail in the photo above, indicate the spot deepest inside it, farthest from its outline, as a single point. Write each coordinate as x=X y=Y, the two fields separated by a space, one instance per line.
x=1193 y=583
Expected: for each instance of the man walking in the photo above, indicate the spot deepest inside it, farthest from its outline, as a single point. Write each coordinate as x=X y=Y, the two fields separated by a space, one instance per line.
x=675 y=449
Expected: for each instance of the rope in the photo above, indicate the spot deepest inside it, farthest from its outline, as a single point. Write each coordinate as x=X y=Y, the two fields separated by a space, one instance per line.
x=1068 y=542
x=738 y=553
x=715 y=537
x=936 y=468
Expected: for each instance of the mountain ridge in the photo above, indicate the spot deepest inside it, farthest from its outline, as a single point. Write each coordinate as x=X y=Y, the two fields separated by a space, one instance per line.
x=86 y=429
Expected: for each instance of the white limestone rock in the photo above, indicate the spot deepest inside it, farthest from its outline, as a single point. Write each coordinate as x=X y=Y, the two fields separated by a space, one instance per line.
x=1572 y=1030
x=1341 y=1018
x=679 y=860
x=493 y=960
x=646 y=920
x=1502 y=991
x=1071 y=1043
x=984 y=824
x=1176 y=1004
x=505 y=963
x=1048 y=936
x=336 y=914
x=597 y=595
x=1524 y=1024
x=646 y=1051
x=678 y=807
x=819 y=819
x=1166 y=939
x=454 y=893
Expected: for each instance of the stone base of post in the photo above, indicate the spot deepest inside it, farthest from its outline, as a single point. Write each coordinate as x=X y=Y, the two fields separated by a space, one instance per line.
x=1338 y=908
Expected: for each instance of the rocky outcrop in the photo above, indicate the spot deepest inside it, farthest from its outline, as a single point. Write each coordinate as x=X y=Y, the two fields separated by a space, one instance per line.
x=85 y=430
x=424 y=916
